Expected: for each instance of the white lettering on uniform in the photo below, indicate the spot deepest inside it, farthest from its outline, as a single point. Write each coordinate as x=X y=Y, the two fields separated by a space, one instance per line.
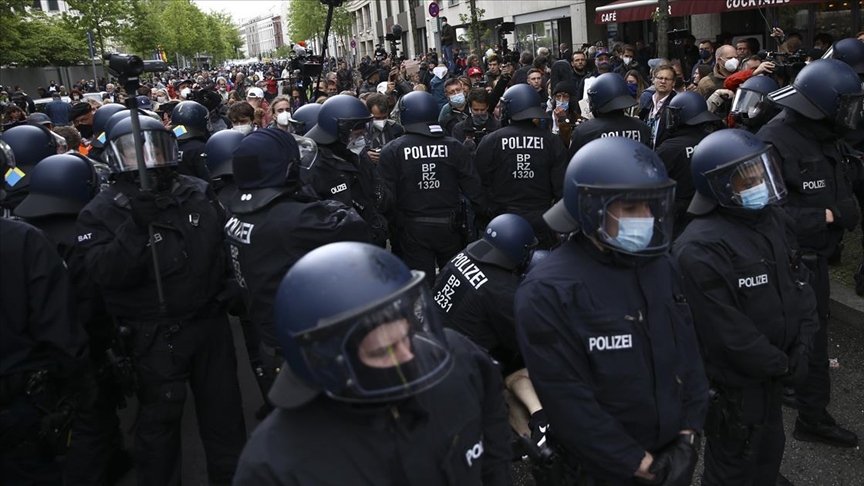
x=516 y=143
x=607 y=343
x=85 y=237
x=339 y=188
x=427 y=152
x=754 y=281
x=239 y=231
x=443 y=297
x=634 y=134
x=689 y=151
x=474 y=452
x=475 y=277
x=820 y=184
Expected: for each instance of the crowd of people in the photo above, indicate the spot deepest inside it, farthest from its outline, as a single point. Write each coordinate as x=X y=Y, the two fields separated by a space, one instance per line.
x=440 y=265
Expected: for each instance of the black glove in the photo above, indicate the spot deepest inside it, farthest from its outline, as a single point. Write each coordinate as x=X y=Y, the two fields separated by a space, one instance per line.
x=798 y=365
x=144 y=208
x=846 y=213
x=674 y=464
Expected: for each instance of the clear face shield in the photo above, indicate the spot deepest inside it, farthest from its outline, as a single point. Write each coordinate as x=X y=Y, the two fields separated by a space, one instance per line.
x=634 y=221
x=752 y=183
x=748 y=103
x=159 y=149
x=387 y=351
x=850 y=110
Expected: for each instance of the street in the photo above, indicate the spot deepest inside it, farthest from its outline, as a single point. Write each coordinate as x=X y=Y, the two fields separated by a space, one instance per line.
x=805 y=464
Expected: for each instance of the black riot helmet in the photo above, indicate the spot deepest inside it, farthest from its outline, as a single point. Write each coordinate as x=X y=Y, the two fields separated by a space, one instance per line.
x=189 y=120
x=342 y=118
x=507 y=242
x=7 y=167
x=850 y=51
x=609 y=93
x=59 y=184
x=220 y=152
x=100 y=122
x=751 y=107
x=159 y=146
x=826 y=89
x=266 y=165
x=30 y=144
x=521 y=102
x=418 y=112
x=304 y=118
x=688 y=109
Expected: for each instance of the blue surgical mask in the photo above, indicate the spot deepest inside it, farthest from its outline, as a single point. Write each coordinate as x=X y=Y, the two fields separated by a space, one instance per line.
x=632 y=87
x=634 y=234
x=705 y=54
x=458 y=99
x=480 y=120
x=756 y=197
x=562 y=104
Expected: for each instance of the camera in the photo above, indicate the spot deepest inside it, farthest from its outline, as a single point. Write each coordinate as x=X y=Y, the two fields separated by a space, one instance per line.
x=132 y=66
x=787 y=65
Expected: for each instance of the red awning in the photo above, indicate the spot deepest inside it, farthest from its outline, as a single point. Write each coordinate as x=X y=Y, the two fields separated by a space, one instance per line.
x=636 y=10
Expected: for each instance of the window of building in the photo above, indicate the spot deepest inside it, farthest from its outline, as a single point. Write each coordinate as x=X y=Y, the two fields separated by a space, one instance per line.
x=52 y=6
x=37 y=4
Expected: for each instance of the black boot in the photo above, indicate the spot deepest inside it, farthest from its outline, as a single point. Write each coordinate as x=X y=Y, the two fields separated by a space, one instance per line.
x=824 y=430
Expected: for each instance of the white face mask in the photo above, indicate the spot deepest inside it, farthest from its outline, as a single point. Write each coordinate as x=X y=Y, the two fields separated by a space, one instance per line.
x=731 y=65
x=357 y=144
x=244 y=129
x=379 y=124
x=626 y=59
x=161 y=99
x=185 y=93
x=283 y=118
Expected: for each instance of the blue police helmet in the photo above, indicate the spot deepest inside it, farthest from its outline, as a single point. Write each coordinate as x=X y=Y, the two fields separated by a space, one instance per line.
x=734 y=169
x=688 y=108
x=418 y=112
x=158 y=145
x=536 y=257
x=189 y=119
x=220 y=151
x=507 y=242
x=617 y=191
x=354 y=322
x=100 y=122
x=119 y=116
x=59 y=184
x=29 y=144
x=608 y=93
x=305 y=118
x=751 y=106
x=339 y=117
x=521 y=102
x=850 y=51
x=826 y=89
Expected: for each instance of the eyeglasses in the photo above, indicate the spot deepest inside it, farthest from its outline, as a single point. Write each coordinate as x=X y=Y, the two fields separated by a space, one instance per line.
x=664 y=80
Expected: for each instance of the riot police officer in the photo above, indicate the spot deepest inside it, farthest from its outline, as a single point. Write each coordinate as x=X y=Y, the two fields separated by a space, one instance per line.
x=521 y=165
x=604 y=330
x=369 y=368
x=304 y=118
x=608 y=97
x=473 y=295
x=342 y=170
x=287 y=224
x=820 y=106
x=219 y=151
x=426 y=171
x=158 y=257
x=100 y=123
x=29 y=144
x=688 y=122
x=189 y=122
x=755 y=318
x=751 y=108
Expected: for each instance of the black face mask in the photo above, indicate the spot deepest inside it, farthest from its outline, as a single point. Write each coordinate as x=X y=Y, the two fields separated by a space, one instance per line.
x=390 y=377
x=86 y=131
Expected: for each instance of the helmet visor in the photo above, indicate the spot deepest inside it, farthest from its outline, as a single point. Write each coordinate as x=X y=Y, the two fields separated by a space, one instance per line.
x=386 y=351
x=634 y=221
x=159 y=149
x=747 y=103
x=673 y=117
x=732 y=183
x=351 y=128
x=850 y=110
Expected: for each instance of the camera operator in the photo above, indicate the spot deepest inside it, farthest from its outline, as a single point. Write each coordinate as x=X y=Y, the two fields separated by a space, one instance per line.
x=478 y=123
x=754 y=66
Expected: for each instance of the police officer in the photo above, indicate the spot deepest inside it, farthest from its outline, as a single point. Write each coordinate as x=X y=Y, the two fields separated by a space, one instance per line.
x=426 y=172
x=342 y=170
x=604 y=330
x=608 y=98
x=688 y=122
x=521 y=165
x=474 y=294
x=751 y=108
x=189 y=122
x=373 y=391
x=755 y=316
x=820 y=106
x=219 y=151
x=179 y=329
x=100 y=123
x=29 y=144
x=287 y=224
x=304 y=118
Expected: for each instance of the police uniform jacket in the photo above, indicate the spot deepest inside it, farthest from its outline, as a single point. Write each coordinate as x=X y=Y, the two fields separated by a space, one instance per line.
x=354 y=182
x=189 y=244
x=426 y=175
x=612 y=353
x=265 y=241
x=193 y=158
x=748 y=307
x=454 y=434
x=37 y=324
x=818 y=176
x=676 y=153
x=522 y=169
x=609 y=125
x=476 y=299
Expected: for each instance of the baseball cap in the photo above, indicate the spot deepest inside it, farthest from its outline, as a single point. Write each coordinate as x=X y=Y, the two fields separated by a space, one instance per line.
x=474 y=71
x=255 y=93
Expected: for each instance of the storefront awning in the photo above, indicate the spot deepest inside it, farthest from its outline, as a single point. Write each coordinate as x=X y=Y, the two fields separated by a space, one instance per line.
x=636 y=10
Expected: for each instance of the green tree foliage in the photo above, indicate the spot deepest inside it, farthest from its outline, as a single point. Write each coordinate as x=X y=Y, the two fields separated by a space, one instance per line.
x=143 y=30
x=105 y=18
x=31 y=38
x=307 y=18
x=475 y=29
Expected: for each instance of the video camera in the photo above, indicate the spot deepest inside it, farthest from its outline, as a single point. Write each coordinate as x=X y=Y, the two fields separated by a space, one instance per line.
x=394 y=37
x=503 y=29
x=787 y=65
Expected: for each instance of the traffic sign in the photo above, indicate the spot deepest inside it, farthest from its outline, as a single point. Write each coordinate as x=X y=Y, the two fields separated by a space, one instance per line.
x=433 y=9
x=353 y=44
